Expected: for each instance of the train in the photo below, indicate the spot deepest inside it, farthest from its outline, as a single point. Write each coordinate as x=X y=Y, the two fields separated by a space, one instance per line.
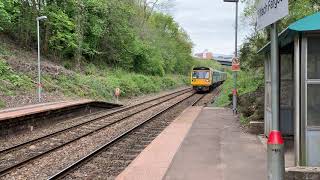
x=205 y=79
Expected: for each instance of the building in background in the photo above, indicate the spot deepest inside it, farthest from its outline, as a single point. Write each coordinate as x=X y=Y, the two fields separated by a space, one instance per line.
x=225 y=60
x=205 y=55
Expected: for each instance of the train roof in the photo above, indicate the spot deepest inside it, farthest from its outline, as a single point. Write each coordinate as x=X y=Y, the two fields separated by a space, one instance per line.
x=219 y=71
x=207 y=68
x=201 y=68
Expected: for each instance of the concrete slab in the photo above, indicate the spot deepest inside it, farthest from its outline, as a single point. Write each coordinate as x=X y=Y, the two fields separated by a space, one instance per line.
x=153 y=162
x=216 y=148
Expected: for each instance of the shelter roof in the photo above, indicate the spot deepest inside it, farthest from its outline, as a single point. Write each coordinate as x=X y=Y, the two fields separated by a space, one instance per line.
x=306 y=24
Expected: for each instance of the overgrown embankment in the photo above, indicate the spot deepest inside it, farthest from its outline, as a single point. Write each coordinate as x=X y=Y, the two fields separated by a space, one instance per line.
x=18 y=80
x=250 y=95
x=251 y=86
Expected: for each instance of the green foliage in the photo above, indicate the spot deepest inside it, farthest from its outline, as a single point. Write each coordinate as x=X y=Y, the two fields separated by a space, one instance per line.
x=2 y=104
x=121 y=34
x=248 y=81
x=244 y=121
x=207 y=63
x=12 y=81
x=101 y=83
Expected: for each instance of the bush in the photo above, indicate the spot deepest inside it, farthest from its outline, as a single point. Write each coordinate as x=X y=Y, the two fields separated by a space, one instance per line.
x=12 y=80
x=100 y=84
x=247 y=82
x=2 y=104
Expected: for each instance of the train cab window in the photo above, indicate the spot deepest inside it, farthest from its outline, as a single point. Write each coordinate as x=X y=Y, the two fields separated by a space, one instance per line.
x=200 y=75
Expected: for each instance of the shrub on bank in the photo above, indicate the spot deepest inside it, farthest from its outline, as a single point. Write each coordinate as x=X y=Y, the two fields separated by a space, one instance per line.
x=11 y=81
x=102 y=87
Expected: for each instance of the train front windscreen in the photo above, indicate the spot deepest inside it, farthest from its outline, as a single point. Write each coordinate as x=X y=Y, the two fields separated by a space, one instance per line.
x=200 y=74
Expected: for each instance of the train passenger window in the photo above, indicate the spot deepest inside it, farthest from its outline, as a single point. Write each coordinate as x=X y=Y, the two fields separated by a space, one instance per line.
x=314 y=58
x=313 y=105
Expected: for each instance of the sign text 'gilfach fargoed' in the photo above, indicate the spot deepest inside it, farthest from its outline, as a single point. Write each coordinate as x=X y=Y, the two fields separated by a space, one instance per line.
x=270 y=11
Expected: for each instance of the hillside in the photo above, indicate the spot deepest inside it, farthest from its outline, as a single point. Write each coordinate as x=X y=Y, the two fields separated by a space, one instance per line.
x=18 y=77
x=89 y=49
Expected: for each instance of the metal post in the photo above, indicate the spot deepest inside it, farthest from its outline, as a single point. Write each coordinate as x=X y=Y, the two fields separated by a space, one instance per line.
x=275 y=156
x=275 y=143
x=297 y=126
x=236 y=55
x=274 y=77
x=39 y=69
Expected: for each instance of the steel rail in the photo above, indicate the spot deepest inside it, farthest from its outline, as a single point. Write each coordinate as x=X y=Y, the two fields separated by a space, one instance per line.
x=215 y=92
x=87 y=122
x=19 y=164
x=198 y=100
x=86 y=158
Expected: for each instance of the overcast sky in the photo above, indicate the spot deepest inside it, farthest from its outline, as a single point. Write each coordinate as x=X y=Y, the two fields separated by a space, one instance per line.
x=209 y=23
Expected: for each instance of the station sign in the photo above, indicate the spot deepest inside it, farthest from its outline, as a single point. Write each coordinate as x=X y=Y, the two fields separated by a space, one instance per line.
x=270 y=11
x=235 y=64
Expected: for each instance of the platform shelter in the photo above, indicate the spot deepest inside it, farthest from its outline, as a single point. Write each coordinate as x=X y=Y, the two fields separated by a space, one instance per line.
x=299 y=62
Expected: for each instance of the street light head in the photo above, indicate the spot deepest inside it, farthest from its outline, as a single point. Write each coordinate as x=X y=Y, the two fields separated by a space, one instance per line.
x=41 y=18
x=231 y=0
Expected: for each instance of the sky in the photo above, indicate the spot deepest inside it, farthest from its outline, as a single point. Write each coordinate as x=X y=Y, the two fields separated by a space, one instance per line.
x=210 y=24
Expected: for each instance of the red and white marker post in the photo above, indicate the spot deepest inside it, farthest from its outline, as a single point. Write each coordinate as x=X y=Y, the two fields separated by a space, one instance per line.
x=117 y=93
x=275 y=156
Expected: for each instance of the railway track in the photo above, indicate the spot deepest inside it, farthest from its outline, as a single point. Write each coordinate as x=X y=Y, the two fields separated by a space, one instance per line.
x=21 y=154
x=100 y=152
x=208 y=97
x=129 y=130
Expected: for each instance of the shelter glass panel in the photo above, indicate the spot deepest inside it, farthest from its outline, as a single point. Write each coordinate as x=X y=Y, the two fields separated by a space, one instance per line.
x=286 y=84
x=314 y=58
x=313 y=105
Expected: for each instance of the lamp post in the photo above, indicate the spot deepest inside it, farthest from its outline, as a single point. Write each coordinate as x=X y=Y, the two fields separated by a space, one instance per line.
x=39 y=69
x=234 y=98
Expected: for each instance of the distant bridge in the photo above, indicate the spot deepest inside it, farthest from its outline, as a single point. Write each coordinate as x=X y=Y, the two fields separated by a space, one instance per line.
x=224 y=60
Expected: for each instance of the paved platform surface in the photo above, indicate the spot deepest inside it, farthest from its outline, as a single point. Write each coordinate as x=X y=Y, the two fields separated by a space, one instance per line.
x=216 y=148
x=37 y=108
x=154 y=161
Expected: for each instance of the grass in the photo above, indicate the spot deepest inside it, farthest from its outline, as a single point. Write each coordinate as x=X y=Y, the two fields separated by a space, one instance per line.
x=100 y=84
x=247 y=82
x=12 y=81
x=244 y=121
x=2 y=104
x=94 y=83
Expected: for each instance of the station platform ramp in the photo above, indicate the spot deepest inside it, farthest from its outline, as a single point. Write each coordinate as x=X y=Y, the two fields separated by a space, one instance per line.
x=202 y=143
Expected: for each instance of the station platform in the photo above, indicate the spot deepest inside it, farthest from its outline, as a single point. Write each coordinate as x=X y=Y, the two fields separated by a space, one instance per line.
x=202 y=143
x=44 y=107
x=21 y=119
